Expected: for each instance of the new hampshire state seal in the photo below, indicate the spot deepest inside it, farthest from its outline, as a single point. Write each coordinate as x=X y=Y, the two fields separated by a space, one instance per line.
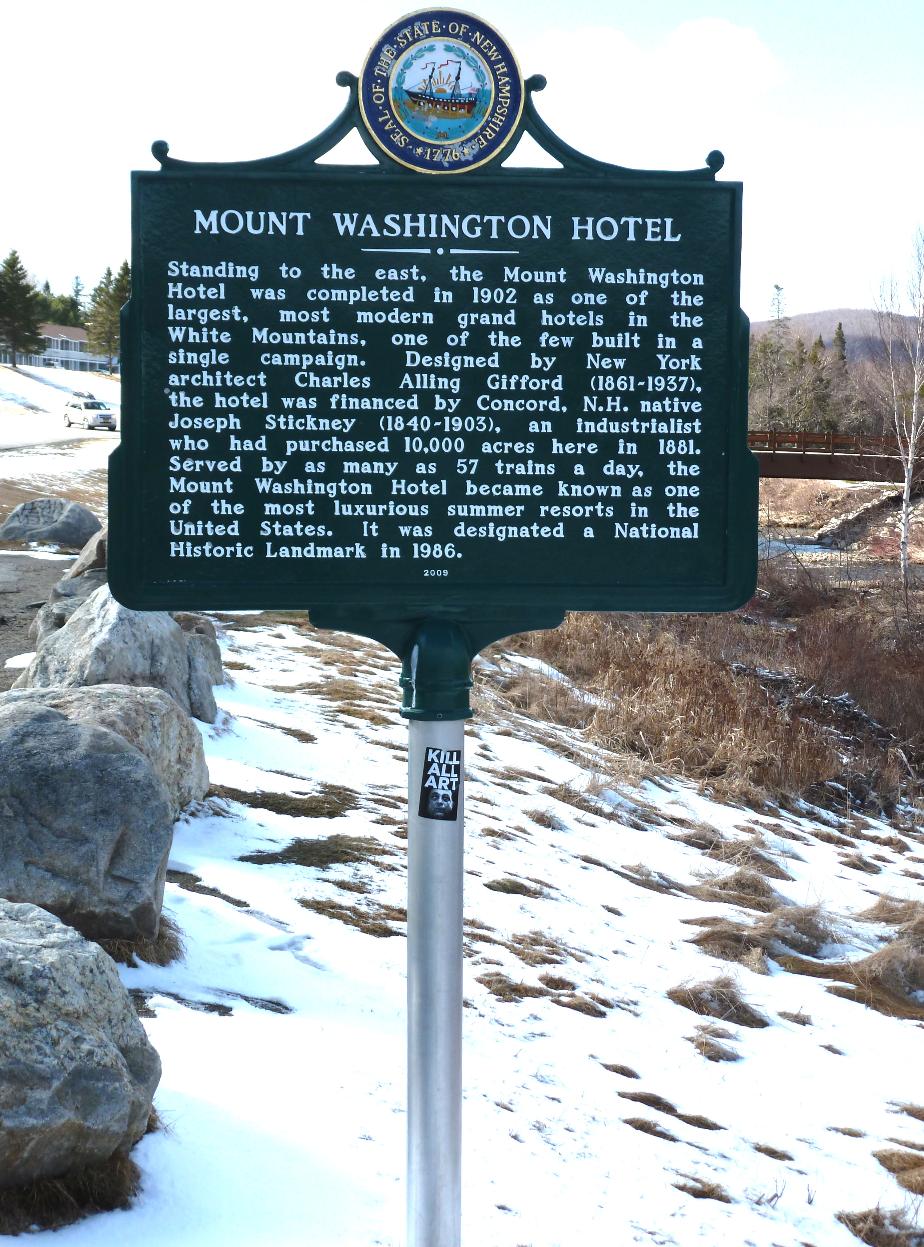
x=441 y=92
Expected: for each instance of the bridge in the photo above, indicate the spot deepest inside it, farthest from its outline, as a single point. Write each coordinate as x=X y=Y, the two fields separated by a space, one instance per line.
x=828 y=456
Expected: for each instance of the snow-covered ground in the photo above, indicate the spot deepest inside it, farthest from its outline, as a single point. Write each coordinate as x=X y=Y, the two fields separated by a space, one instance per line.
x=592 y=1115
x=282 y=1029
x=32 y=405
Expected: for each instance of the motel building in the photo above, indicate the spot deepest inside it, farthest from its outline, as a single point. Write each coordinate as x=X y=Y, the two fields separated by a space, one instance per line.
x=65 y=347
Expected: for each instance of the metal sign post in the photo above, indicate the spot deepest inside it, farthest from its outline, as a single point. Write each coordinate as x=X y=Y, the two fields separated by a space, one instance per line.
x=436 y=682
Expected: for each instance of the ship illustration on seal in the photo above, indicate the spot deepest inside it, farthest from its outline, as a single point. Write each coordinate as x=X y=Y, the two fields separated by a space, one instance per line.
x=440 y=93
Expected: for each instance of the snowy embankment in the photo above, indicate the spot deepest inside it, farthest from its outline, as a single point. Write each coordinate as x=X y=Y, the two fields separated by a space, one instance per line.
x=32 y=405
x=598 y=1110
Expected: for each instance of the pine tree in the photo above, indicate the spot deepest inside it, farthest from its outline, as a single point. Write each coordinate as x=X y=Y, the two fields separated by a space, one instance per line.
x=839 y=344
x=103 y=319
x=105 y=306
x=59 y=309
x=77 y=300
x=20 y=312
x=122 y=286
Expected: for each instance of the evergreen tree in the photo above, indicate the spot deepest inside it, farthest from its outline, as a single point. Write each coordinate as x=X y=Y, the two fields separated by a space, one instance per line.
x=122 y=286
x=839 y=344
x=105 y=305
x=59 y=309
x=20 y=312
x=103 y=319
x=77 y=299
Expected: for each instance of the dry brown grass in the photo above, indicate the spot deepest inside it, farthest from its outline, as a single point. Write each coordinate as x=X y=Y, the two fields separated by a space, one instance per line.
x=878 y=1227
x=192 y=883
x=547 y=699
x=368 y=917
x=625 y=1070
x=331 y=801
x=505 y=989
x=711 y=1048
x=162 y=951
x=758 y=735
x=701 y=1189
x=323 y=853
x=908 y=916
x=774 y=1153
x=742 y=887
x=718 y=999
x=800 y=1018
x=580 y=1004
x=557 y=982
x=906 y=1167
x=856 y=861
x=52 y=1203
x=646 y=1126
x=515 y=887
x=658 y=1102
x=539 y=948
x=888 y=980
x=790 y=928
x=909 y=1143
x=747 y=855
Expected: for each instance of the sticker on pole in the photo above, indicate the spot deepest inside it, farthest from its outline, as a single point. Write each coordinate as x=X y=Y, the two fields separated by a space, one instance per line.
x=440 y=92
x=439 y=784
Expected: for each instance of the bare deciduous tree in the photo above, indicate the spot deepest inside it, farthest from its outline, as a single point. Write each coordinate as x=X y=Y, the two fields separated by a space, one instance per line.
x=901 y=329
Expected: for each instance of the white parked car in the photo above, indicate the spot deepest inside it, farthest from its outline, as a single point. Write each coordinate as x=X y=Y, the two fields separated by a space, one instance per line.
x=89 y=412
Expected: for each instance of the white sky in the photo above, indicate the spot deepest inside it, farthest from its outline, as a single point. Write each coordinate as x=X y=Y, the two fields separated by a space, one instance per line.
x=817 y=109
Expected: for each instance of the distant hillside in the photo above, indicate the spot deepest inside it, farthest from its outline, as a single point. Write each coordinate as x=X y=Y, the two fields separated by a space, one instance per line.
x=859 y=329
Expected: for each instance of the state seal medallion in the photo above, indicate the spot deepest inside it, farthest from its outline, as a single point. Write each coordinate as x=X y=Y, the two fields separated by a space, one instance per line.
x=440 y=92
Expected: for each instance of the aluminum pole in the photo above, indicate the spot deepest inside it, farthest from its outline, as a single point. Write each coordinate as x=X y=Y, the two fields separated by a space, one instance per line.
x=434 y=983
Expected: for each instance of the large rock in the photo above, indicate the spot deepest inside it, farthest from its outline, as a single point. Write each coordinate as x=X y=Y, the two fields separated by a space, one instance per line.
x=104 y=642
x=55 y=520
x=92 y=557
x=145 y=717
x=77 y=1073
x=87 y=825
x=205 y=668
x=66 y=596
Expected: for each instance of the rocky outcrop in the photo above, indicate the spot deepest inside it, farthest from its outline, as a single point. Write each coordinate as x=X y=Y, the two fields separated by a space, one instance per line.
x=104 y=642
x=87 y=824
x=144 y=717
x=57 y=521
x=77 y=1073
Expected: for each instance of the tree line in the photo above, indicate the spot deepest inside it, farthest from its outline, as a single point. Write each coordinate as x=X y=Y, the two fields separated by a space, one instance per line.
x=812 y=386
x=24 y=307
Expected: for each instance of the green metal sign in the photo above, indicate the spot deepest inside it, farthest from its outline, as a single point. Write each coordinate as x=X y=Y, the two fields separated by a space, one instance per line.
x=385 y=397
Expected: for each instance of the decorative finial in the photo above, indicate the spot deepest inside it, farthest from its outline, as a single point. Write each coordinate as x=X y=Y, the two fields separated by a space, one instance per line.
x=715 y=161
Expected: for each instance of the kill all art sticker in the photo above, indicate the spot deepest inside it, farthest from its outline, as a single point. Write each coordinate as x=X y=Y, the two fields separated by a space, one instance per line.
x=439 y=784
x=440 y=92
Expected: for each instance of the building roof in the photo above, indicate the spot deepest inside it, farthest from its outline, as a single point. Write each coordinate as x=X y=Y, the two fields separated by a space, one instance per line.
x=73 y=332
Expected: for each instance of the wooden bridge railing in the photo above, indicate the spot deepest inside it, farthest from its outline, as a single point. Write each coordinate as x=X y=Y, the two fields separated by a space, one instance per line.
x=779 y=441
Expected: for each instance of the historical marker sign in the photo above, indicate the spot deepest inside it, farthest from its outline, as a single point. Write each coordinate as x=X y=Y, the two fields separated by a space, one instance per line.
x=434 y=410
x=504 y=392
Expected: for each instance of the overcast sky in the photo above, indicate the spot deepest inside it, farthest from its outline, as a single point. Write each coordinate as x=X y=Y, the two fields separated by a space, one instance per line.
x=817 y=106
